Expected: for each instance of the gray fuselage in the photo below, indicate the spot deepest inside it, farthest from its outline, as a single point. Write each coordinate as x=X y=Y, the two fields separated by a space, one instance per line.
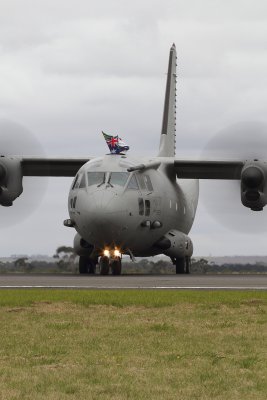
x=112 y=207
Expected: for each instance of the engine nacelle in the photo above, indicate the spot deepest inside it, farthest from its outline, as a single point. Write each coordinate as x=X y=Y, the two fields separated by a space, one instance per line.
x=10 y=180
x=253 y=185
x=175 y=244
x=81 y=247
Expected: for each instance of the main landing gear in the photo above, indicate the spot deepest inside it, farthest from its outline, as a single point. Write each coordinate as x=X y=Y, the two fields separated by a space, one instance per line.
x=183 y=265
x=87 y=265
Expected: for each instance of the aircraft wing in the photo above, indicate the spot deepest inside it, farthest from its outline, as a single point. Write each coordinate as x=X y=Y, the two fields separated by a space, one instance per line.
x=51 y=166
x=208 y=169
x=251 y=173
x=187 y=169
x=13 y=168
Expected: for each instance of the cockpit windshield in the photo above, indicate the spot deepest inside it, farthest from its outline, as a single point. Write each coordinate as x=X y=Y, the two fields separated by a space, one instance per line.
x=95 y=178
x=118 y=178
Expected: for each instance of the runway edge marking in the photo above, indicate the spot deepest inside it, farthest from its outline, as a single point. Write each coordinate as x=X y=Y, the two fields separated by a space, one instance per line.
x=135 y=287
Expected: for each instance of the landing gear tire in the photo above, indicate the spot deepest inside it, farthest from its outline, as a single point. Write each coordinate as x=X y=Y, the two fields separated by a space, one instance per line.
x=104 y=265
x=187 y=265
x=83 y=265
x=91 y=266
x=86 y=265
x=116 y=266
x=180 y=265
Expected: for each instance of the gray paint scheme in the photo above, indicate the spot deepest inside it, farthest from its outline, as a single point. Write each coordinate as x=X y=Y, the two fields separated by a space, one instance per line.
x=141 y=220
x=108 y=215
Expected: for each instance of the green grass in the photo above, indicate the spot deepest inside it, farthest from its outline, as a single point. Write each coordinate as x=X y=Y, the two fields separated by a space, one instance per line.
x=68 y=344
x=122 y=298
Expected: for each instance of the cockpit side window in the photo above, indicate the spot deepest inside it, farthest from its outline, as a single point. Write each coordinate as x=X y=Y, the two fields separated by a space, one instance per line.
x=148 y=183
x=118 y=178
x=82 y=183
x=133 y=183
x=75 y=182
x=141 y=182
x=95 y=178
x=145 y=182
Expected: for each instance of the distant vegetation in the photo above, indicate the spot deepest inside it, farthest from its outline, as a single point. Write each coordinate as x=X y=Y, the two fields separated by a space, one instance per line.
x=65 y=261
x=198 y=266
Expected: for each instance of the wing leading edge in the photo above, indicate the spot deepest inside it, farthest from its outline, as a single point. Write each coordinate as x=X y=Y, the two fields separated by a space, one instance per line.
x=67 y=167
x=208 y=169
x=186 y=169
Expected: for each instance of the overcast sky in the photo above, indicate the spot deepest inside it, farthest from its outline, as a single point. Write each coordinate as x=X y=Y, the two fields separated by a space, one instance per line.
x=69 y=69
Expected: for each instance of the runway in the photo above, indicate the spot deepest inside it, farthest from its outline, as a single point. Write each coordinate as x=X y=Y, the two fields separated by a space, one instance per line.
x=171 y=282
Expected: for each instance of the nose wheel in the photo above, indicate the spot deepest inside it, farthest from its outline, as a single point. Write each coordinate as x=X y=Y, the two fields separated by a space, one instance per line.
x=114 y=264
x=104 y=265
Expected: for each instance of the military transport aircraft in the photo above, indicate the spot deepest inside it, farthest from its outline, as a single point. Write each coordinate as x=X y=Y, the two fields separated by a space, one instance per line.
x=140 y=207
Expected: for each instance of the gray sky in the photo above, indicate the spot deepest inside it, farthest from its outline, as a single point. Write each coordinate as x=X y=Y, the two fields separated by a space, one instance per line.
x=69 y=69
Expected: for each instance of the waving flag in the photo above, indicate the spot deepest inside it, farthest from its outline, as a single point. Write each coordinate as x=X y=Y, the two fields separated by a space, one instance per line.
x=115 y=144
x=122 y=145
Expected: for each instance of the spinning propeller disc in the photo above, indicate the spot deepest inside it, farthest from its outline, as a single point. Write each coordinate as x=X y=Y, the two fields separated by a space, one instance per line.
x=242 y=141
x=15 y=139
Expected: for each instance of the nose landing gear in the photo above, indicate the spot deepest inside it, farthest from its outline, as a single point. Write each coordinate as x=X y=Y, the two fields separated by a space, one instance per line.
x=114 y=263
x=104 y=265
x=110 y=259
x=116 y=266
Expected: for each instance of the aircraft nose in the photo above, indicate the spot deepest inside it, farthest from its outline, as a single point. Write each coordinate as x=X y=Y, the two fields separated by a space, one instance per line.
x=102 y=205
x=106 y=218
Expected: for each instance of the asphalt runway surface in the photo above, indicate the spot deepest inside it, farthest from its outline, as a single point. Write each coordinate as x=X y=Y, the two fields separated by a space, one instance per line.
x=175 y=282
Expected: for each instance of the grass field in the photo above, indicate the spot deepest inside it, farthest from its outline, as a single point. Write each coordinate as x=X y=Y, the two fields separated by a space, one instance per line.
x=133 y=345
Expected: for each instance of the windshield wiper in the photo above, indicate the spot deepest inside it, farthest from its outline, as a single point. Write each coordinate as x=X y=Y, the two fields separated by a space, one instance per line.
x=102 y=183
x=108 y=183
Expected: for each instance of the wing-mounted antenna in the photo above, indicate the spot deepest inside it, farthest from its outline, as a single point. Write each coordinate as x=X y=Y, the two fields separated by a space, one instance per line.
x=167 y=139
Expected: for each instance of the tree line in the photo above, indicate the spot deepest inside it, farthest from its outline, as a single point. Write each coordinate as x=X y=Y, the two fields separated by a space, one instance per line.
x=65 y=261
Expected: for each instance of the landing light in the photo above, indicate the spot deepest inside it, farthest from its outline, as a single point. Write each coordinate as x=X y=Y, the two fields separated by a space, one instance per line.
x=112 y=253
x=117 y=253
x=106 y=253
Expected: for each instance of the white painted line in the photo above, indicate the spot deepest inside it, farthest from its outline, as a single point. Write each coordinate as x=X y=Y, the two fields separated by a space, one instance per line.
x=135 y=287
